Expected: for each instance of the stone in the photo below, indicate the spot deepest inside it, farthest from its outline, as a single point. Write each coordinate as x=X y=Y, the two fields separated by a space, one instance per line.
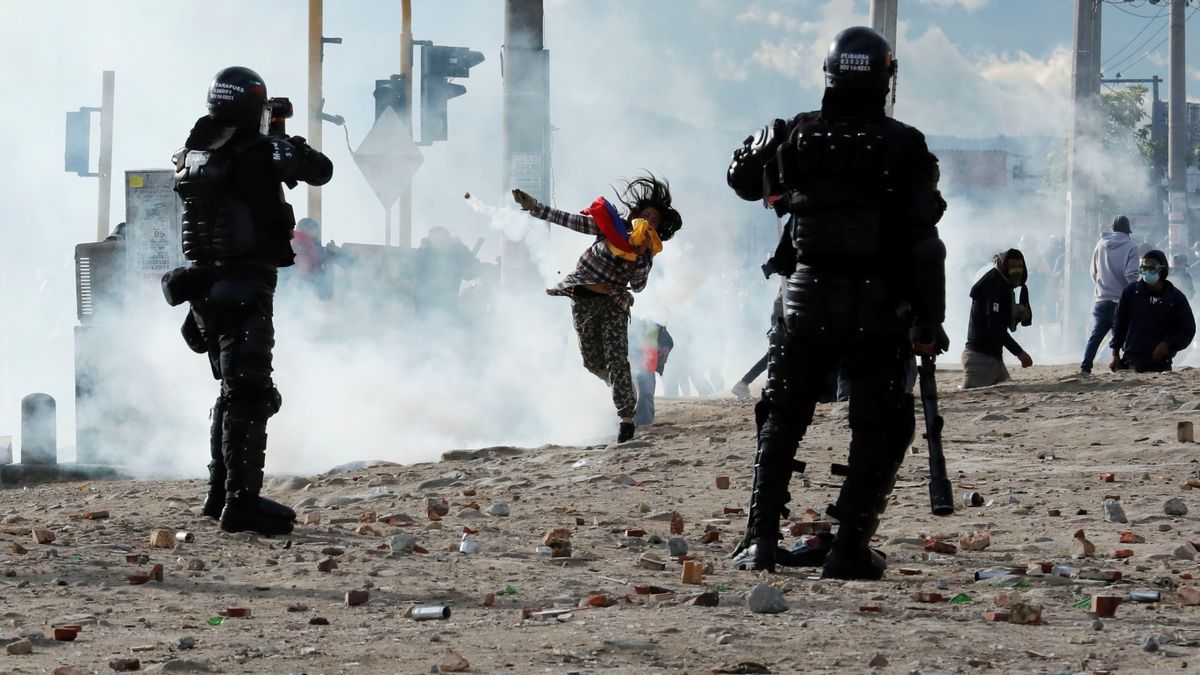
x=196 y=565
x=469 y=513
x=1175 y=507
x=160 y=538
x=676 y=546
x=499 y=510
x=22 y=646
x=625 y=479
x=1186 y=552
x=559 y=541
x=437 y=505
x=402 y=543
x=184 y=666
x=123 y=665
x=651 y=562
x=977 y=541
x=451 y=662
x=1025 y=614
x=440 y=482
x=1081 y=547
x=337 y=501
x=709 y=598
x=1131 y=538
x=327 y=565
x=1189 y=596
x=676 y=523
x=1113 y=512
x=938 y=546
x=766 y=599
x=878 y=661
x=660 y=515
x=1185 y=433
x=1149 y=643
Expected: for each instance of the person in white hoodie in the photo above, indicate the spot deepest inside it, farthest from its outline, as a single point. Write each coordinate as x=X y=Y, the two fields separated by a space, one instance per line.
x=1114 y=266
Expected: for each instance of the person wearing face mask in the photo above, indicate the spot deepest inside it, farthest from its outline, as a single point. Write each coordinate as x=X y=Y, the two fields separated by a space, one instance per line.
x=1154 y=320
x=994 y=315
x=619 y=259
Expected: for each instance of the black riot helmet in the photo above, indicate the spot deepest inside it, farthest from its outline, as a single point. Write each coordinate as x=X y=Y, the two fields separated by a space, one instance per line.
x=238 y=96
x=859 y=58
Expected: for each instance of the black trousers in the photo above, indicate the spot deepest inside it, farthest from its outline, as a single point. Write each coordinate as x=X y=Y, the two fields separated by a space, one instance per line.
x=235 y=318
x=881 y=419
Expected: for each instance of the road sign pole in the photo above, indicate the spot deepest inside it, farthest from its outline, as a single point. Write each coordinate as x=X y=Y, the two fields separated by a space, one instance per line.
x=387 y=226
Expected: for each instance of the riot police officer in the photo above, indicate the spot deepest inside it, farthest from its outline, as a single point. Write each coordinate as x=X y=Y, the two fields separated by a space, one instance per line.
x=866 y=288
x=236 y=231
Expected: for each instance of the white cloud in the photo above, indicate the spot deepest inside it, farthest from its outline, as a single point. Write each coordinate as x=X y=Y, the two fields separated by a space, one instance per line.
x=728 y=68
x=968 y=5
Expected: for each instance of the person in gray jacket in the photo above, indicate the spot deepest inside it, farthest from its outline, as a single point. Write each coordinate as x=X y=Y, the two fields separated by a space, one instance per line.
x=1114 y=266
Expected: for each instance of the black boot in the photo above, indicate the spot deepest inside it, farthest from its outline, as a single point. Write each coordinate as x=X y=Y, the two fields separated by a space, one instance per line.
x=245 y=444
x=859 y=505
x=215 y=501
x=626 y=432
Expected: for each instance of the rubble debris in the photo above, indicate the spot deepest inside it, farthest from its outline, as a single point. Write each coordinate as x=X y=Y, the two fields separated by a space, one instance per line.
x=1175 y=507
x=1113 y=512
x=160 y=538
x=766 y=599
x=1081 y=547
x=722 y=482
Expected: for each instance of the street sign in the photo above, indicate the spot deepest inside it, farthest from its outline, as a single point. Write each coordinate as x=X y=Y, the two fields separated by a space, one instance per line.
x=388 y=158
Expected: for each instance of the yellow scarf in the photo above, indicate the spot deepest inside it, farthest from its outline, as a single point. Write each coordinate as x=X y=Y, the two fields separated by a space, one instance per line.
x=642 y=232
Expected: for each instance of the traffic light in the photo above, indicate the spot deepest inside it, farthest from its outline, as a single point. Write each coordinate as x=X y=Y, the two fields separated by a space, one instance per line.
x=392 y=93
x=438 y=65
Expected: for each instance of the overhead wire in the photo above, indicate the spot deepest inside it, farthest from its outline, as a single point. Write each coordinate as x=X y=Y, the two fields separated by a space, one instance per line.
x=1155 y=47
x=1135 y=37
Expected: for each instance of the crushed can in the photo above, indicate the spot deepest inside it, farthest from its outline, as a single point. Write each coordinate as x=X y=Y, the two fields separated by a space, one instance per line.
x=972 y=498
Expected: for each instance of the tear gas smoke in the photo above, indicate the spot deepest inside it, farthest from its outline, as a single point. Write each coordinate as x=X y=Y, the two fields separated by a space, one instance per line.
x=367 y=375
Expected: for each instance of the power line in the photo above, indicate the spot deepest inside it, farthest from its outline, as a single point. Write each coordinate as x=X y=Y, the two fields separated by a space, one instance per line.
x=1135 y=37
x=1155 y=47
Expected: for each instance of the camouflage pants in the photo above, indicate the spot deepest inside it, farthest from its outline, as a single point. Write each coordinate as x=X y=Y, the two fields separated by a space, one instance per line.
x=603 y=330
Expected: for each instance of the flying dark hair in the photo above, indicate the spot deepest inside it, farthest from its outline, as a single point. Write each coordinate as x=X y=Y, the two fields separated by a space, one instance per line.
x=647 y=191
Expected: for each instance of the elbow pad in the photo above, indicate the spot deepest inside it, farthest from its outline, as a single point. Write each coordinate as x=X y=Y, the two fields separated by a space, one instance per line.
x=296 y=160
x=745 y=173
x=929 y=257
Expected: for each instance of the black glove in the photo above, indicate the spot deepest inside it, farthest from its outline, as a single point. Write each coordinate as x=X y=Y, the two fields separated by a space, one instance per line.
x=924 y=333
x=525 y=200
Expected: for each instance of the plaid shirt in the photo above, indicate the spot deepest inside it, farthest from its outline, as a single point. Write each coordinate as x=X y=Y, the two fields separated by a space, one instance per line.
x=598 y=265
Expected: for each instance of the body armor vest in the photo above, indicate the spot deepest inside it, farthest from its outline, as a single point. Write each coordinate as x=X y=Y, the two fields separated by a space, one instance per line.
x=837 y=182
x=216 y=224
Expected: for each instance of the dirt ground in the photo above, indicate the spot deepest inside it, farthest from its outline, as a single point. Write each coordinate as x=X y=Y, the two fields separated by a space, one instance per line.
x=1035 y=449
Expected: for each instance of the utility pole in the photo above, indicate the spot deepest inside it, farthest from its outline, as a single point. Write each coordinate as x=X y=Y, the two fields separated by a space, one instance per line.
x=1081 y=220
x=106 y=145
x=883 y=20
x=404 y=229
x=526 y=160
x=1177 y=225
x=316 y=48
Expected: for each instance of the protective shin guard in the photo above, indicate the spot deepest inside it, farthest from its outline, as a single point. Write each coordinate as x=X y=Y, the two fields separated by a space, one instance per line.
x=773 y=467
x=245 y=454
x=215 y=500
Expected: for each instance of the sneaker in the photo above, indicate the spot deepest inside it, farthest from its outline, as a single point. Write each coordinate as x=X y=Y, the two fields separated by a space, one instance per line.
x=626 y=432
x=741 y=390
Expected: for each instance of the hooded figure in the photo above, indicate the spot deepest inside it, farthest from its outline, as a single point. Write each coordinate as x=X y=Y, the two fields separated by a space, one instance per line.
x=1154 y=320
x=1114 y=266
x=994 y=315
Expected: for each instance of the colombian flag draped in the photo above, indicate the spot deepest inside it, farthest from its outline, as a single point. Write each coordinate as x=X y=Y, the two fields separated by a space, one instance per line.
x=621 y=238
x=615 y=230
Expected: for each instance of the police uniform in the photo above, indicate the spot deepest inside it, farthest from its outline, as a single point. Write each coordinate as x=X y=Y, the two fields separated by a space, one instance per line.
x=865 y=268
x=236 y=233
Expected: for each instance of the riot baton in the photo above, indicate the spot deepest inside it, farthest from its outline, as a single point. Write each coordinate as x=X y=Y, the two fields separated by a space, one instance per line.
x=941 y=493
